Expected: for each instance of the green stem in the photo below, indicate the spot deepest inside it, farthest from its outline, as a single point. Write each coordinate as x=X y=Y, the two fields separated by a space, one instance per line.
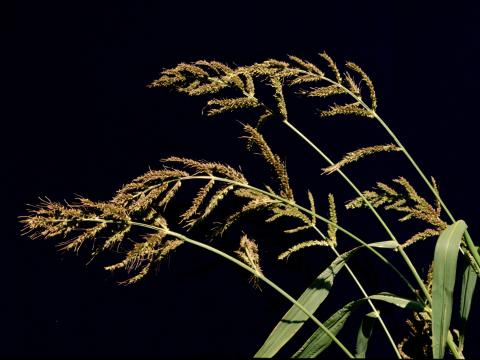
x=370 y=206
x=365 y=295
x=244 y=266
x=471 y=247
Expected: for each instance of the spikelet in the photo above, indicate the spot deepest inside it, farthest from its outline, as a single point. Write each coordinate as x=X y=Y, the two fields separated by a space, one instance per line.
x=306 y=65
x=136 y=278
x=220 y=106
x=359 y=154
x=272 y=159
x=75 y=243
x=197 y=201
x=332 y=229
x=311 y=200
x=248 y=253
x=146 y=198
x=301 y=246
x=249 y=84
x=116 y=238
x=352 y=85
x=309 y=223
x=209 y=168
x=270 y=67
x=129 y=192
x=438 y=205
x=152 y=256
x=324 y=91
x=368 y=81
x=409 y=203
x=288 y=211
x=170 y=194
x=266 y=115
x=347 y=109
x=422 y=210
x=304 y=79
x=226 y=75
x=108 y=210
x=200 y=78
x=212 y=204
x=420 y=236
x=258 y=203
x=333 y=67
x=276 y=84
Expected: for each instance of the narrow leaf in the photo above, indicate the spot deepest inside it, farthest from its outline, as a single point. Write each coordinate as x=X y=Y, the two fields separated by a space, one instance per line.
x=398 y=301
x=320 y=341
x=364 y=333
x=311 y=299
x=444 y=270
x=389 y=244
x=316 y=293
x=469 y=280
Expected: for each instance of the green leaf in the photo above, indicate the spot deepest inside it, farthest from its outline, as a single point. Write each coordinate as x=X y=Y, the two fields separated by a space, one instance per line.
x=444 y=270
x=469 y=280
x=311 y=299
x=319 y=341
x=364 y=333
x=389 y=244
x=398 y=301
x=316 y=293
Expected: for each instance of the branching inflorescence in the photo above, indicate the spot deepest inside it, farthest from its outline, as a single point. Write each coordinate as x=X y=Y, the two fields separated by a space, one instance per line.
x=142 y=203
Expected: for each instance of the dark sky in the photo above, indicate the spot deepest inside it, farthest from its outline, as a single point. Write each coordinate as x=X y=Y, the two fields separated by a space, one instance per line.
x=78 y=119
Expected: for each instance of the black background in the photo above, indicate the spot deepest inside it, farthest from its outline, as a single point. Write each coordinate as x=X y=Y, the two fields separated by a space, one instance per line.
x=80 y=120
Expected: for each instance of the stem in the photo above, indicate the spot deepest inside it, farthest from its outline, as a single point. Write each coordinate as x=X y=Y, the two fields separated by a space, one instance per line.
x=370 y=206
x=244 y=266
x=365 y=295
x=471 y=247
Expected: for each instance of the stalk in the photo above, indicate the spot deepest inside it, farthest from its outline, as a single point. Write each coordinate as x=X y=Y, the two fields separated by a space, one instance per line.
x=450 y=342
x=243 y=266
x=370 y=206
x=470 y=245
x=366 y=296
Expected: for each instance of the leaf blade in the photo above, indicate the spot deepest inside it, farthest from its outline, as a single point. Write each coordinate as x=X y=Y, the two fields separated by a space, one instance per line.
x=311 y=299
x=364 y=334
x=320 y=341
x=444 y=271
x=469 y=280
